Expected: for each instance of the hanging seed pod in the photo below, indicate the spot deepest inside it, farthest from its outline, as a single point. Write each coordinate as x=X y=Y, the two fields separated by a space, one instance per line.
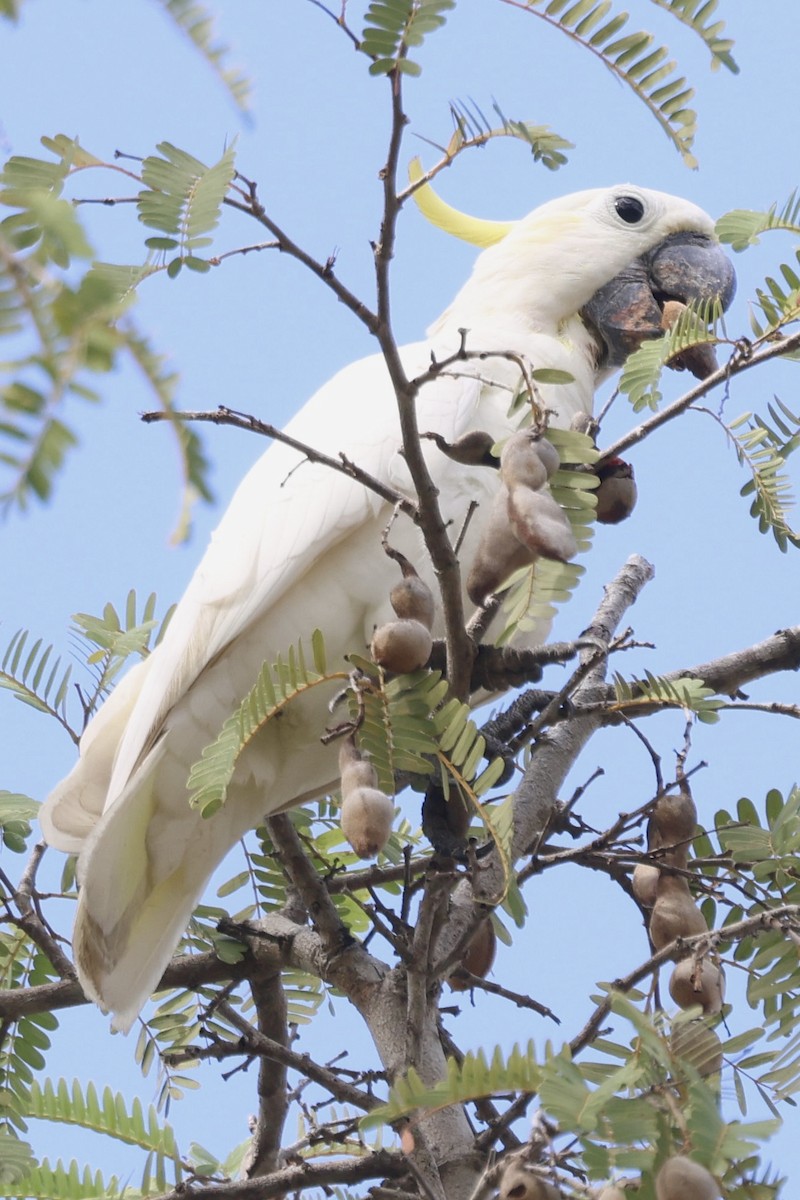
x=682 y=1179
x=528 y=460
x=499 y=554
x=478 y=955
x=700 y=360
x=520 y=1183
x=675 y=913
x=644 y=882
x=405 y=645
x=367 y=814
x=700 y=983
x=401 y=646
x=616 y=494
x=675 y=816
x=541 y=524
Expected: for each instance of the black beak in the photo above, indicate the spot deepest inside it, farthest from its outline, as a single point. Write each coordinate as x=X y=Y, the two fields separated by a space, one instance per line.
x=629 y=308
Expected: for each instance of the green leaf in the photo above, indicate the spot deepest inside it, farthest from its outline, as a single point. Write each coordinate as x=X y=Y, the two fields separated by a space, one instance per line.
x=197 y=23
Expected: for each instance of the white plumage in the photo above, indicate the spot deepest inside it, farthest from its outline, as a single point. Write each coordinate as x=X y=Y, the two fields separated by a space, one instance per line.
x=299 y=547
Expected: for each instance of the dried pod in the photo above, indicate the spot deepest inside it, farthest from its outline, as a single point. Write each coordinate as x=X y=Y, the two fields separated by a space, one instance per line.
x=616 y=494
x=499 y=554
x=541 y=524
x=584 y=422
x=700 y=361
x=698 y=1046
x=366 y=818
x=412 y=599
x=675 y=913
x=675 y=816
x=694 y=982
x=525 y=462
x=644 y=882
x=478 y=955
x=473 y=449
x=612 y=1192
x=401 y=646
x=682 y=1179
x=521 y=1183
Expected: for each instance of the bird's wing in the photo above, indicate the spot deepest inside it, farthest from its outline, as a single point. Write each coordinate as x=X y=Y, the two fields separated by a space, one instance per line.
x=285 y=514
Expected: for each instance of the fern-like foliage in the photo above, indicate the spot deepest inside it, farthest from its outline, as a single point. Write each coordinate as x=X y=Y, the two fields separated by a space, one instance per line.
x=474 y=1078
x=105 y=1113
x=635 y=59
x=195 y=466
x=276 y=686
x=763 y=448
x=110 y=639
x=697 y=325
x=534 y=592
x=183 y=199
x=687 y=693
x=743 y=227
x=473 y=128
x=67 y=333
x=197 y=23
x=767 y=843
x=697 y=14
x=393 y=27
x=36 y=677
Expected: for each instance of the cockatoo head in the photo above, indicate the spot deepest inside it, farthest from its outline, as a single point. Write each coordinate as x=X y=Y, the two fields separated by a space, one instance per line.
x=611 y=256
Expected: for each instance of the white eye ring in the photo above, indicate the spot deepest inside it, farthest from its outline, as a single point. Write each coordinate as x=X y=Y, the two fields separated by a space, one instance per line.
x=629 y=209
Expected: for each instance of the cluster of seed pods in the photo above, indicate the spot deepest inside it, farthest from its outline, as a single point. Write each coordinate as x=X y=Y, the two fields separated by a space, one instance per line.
x=524 y=521
x=664 y=889
x=398 y=646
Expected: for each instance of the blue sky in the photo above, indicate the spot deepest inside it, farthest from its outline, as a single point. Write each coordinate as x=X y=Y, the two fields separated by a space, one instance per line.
x=260 y=335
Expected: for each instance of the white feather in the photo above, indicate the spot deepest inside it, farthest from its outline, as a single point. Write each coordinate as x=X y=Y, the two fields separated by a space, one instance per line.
x=298 y=548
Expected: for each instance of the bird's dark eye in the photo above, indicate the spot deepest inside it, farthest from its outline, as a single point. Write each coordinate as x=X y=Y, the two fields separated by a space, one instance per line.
x=630 y=208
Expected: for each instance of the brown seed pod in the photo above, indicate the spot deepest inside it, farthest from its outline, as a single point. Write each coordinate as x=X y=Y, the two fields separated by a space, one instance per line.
x=612 y=1192
x=478 y=955
x=401 y=646
x=675 y=913
x=499 y=554
x=697 y=1045
x=700 y=361
x=366 y=818
x=644 y=882
x=700 y=983
x=527 y=460
x=412 y=599
x=541 y=524
x=682 y=1179
x=473 y=449
x=521 y=1183
x=675 y=816
x=616 y=494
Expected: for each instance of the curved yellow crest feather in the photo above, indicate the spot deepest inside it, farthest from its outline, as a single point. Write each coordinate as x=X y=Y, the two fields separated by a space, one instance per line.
x=461 y=225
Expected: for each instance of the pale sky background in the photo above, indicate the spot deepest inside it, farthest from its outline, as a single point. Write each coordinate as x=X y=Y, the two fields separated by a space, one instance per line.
x=260 y=335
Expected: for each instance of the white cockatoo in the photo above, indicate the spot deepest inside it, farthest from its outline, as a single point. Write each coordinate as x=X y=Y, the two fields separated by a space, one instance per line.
x=299 y=548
